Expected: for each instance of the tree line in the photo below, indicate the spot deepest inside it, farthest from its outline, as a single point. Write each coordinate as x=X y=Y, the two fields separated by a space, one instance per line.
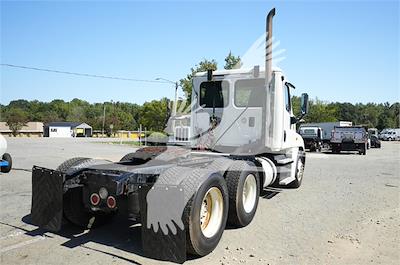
x=372 y=115
x=154 y=115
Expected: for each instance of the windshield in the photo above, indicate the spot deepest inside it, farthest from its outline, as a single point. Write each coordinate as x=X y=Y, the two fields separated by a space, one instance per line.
x=308 y=131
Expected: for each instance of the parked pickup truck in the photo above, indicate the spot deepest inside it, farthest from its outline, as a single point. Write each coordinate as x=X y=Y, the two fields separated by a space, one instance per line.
x=311 y=137
x=349 y=139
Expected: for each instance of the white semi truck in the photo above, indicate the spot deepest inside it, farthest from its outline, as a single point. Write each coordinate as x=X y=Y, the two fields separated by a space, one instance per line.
x=242 y=139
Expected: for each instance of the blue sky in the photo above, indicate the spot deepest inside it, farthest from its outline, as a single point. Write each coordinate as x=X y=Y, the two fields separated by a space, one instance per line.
x=336 y=51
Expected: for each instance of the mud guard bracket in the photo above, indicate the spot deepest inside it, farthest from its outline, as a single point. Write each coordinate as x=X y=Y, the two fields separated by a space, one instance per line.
x=47 y=198
x=158 y=245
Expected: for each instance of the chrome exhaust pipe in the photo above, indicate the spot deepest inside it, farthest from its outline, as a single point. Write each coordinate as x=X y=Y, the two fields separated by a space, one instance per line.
x=268 y=47
x=268 y=110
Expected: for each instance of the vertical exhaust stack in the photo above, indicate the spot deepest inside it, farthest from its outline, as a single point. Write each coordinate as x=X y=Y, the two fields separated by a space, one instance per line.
x=268 y=108
x=268 y=48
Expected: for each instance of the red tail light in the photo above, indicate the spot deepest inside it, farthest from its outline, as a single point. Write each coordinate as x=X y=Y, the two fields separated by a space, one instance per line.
x=111 y=202
x=94 y=199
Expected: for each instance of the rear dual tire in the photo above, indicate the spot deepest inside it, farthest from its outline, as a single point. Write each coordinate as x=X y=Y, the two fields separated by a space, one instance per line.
x=217 y=200
x=205 y=215
x=244 y=190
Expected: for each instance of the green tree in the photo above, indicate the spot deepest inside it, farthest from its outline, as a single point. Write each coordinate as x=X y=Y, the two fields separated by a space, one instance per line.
x=232 y=61
x=186 y=83
x=154 y=115
x=46 y=116
x=396 y=114
x=60 y=107
x=16 y=118
x=386 y=118
x=320 y=111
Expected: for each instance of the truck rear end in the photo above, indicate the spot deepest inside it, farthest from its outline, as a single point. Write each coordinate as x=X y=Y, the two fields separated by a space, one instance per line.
x=349 y=139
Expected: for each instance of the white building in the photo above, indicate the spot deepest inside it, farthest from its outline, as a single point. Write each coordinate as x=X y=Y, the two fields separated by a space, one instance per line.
x=67 y=129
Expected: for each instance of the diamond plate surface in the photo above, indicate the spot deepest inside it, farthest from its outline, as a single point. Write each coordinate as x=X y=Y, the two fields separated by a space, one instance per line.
x=47 y=194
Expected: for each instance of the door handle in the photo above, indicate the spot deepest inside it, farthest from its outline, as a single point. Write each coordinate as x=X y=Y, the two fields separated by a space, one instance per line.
x=251 y=122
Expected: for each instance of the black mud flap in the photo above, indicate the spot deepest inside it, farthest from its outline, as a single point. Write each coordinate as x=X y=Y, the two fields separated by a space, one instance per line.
x=47 y=198
x=160 y=245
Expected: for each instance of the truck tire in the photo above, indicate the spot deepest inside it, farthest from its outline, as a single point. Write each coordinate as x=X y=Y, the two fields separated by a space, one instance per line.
x=243 y=184
x=296 y=183
x=73 y=206
x=68 y=164
x=335 y=150
x=7 y=157
x=206 y=212
x=312 y=147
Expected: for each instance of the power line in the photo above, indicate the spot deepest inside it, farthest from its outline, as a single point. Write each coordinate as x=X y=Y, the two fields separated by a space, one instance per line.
x=82 y=74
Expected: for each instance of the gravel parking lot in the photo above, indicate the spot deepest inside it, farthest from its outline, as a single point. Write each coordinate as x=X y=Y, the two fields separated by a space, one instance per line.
x=346 y=212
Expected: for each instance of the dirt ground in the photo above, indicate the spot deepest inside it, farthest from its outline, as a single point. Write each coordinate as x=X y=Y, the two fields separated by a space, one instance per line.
x=346 y=212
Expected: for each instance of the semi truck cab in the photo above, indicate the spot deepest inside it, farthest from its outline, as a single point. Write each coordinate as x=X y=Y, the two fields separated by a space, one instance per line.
x=242 y=139
x=230 y=105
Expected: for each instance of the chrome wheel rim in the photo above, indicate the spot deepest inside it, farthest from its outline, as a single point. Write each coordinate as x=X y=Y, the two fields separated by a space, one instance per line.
x=249 y=195
x=300 y=170
x=211 y=212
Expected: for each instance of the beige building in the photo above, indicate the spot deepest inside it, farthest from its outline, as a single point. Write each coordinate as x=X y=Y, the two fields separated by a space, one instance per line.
x=32 y=129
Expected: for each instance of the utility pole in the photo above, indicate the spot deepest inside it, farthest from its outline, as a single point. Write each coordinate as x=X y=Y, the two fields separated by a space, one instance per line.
x=175 y=100
x=104 y=119
x=140 y=134
x=175 y=104
x=145 y=136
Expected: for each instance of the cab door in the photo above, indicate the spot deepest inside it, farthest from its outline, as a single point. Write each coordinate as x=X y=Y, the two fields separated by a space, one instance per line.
x=289 y=129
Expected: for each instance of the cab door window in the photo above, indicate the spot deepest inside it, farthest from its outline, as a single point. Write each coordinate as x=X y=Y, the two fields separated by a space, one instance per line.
x=288 y=103
x=214 y=94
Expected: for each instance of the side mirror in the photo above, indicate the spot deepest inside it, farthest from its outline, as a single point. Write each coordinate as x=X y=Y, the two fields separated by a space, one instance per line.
x=304 y=104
